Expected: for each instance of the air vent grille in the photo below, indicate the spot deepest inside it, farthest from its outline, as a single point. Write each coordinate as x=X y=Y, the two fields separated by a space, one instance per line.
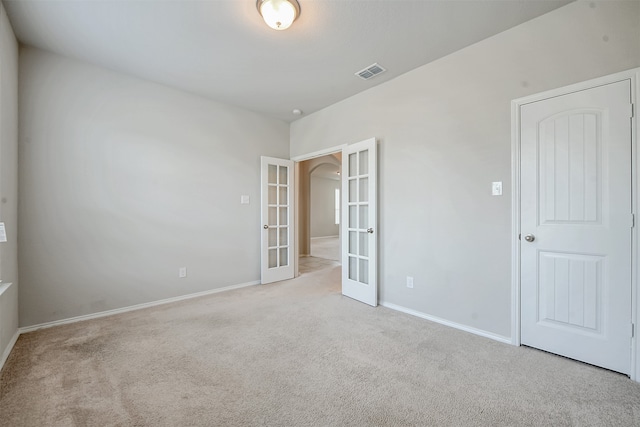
x=370 y=72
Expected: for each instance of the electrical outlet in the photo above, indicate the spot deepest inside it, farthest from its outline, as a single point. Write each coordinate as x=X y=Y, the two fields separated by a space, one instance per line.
x=409 y=282
x=182 y=272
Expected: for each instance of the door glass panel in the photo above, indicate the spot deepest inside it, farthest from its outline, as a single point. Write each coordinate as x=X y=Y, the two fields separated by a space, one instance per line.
x=273 y=237
x=273 y=174
x=364 y=243
x=273 y=216
x=353 y=190
x=353 y=211
x=273 y=195
x=353 y=268
x=283 y=216
x=364 y=270
x=273 y=258
x=284 y=236
x=283 y=196
x=364 y=162
x=364 y=216
x=352 y=242
x=353 y=164
x=284 y=258
x=364 y=189
x=283 y=175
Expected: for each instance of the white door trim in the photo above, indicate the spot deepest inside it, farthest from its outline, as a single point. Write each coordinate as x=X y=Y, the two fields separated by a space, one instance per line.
x=320 y=153
x=634 y=76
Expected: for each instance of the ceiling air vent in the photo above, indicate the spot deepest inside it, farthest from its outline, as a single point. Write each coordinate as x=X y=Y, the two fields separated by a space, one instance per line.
x=370 y=72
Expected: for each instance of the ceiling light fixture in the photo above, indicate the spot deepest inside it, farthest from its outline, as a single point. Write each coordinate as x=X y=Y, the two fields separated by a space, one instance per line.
x=279 y=14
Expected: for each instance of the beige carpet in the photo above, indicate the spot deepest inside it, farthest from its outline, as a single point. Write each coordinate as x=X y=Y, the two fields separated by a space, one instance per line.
x=310 y=264
x=296 y=353
x=326 y=247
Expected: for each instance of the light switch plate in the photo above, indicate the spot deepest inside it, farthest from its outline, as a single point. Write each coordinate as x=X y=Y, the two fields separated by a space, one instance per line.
x=244 y=199
x=496 y=188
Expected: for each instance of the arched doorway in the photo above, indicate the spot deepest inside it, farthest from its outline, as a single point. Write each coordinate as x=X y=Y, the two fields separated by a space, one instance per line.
x=319 y=212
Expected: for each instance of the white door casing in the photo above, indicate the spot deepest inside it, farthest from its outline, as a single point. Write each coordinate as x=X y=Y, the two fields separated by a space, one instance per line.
x=277 y=209
x=576 y=225
x=359 y=222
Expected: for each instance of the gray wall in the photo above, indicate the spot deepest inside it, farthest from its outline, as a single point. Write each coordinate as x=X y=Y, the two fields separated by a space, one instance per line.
x=123 y=181
x=8 y=180
x=444 y=136
x=323 y=206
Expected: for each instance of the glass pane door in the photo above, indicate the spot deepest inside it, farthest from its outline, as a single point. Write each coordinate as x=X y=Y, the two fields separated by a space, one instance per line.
x=358 y=205
x=277 y=219
x=359 y=221
x=278 y=205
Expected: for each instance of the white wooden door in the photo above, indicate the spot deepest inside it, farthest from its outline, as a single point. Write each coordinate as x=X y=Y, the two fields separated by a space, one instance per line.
x=277 y=247
x=576 y=225
x=359 y=254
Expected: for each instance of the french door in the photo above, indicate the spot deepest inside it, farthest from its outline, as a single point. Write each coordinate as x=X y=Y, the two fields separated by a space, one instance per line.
x=277 y=247
x=359 y=233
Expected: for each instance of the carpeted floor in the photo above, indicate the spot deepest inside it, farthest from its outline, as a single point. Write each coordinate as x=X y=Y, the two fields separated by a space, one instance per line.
x=310 y=264
x=296 y=353
x=326 y=247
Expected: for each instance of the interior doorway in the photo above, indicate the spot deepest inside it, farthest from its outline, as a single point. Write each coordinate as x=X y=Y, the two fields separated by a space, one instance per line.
x=319 y=212
x=357 y=213
x=575 y=269
x=575 y=217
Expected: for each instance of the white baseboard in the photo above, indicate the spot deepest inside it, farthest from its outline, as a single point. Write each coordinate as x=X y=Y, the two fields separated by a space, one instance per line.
x=500 y=338
x=7 y=351
x=132 y=308
x=325 y=237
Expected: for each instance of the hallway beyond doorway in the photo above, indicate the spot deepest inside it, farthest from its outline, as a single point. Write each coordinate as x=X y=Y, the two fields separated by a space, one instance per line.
x=310 y=264
x=326 y=247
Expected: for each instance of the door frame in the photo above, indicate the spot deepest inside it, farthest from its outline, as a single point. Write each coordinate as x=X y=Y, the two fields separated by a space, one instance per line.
x=296 y=215
x=634 y=76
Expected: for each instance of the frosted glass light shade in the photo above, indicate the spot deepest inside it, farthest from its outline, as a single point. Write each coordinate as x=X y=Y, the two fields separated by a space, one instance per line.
x=279 y=14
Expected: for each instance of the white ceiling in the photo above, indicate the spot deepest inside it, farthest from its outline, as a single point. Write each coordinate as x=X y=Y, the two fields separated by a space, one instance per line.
x=221 y=49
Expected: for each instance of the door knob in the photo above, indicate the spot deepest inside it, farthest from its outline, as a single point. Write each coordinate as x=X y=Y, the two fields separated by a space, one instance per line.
x=265 y=226
x=370 y=230
x=529 y=237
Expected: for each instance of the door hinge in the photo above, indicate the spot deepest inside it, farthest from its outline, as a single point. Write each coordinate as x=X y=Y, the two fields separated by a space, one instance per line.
x=633 y=109
x=633 y=220
x=632 y=330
